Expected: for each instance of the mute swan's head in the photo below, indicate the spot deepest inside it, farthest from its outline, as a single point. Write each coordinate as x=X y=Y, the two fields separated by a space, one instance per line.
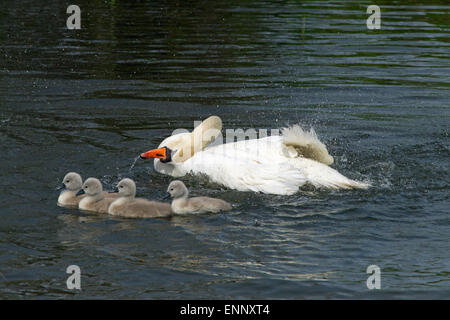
x=177 y=189
x=72 y=181
x=182 y=146
x=91 y=187
x=126 y=188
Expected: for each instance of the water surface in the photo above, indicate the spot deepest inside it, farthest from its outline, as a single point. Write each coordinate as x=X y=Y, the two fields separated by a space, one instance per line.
x=91 y=100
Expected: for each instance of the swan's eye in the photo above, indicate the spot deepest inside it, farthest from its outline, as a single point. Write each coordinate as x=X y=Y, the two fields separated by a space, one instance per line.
x=67 y=181
x=171 y=189
x=121 y=187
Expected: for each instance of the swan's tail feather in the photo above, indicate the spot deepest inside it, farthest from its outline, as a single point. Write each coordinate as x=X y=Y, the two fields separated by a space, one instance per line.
x=307 y=144
x=340 y=182
x=350 y=184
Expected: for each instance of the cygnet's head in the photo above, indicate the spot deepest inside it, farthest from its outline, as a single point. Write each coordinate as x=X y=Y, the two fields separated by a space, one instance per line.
x=91 y=187
x=177 y=189
x=126 y=187
x=72 y=181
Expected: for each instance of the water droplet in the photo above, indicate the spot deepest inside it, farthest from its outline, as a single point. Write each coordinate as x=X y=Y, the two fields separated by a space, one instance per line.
x=134 y=163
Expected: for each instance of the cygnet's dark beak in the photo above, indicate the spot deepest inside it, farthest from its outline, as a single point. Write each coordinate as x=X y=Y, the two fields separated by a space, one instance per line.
x=61 y=187
x=116 y=190
x=167 y=196
x=79 y=193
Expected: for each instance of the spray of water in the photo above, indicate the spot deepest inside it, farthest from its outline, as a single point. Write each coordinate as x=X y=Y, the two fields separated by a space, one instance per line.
x=134 y=163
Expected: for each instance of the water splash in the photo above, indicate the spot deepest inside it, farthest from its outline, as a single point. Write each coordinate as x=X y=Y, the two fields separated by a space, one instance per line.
x=134 y=163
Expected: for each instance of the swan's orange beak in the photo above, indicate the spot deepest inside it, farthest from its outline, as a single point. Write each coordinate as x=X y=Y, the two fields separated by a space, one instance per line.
x=164 y=153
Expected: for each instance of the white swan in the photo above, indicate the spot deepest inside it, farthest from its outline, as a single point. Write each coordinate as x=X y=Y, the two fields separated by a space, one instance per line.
x=274 y=164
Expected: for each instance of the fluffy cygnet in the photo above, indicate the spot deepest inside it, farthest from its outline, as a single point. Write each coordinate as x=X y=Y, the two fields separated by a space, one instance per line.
x=72 y=183
x=127 y=205
x=181 y=204
x=96 y=200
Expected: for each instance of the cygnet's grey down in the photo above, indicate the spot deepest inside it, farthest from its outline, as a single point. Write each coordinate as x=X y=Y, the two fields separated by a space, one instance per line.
x=95 y=200
x=72 y=183
x=127 y=205
x=181 y=204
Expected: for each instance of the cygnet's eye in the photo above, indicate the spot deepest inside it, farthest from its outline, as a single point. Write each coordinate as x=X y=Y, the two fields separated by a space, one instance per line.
x=171 y=189
x=67 y=181
x=120 y=186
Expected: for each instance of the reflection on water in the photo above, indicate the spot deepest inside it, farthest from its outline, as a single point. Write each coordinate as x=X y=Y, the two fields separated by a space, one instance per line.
x=92 y=100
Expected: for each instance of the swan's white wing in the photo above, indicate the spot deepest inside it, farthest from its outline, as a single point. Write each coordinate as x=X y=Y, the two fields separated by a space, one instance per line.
x=321 y=175
x=264 y=165
x=252 y=165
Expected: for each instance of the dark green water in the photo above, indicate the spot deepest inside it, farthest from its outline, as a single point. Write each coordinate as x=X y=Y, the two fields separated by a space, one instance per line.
x=91 y=100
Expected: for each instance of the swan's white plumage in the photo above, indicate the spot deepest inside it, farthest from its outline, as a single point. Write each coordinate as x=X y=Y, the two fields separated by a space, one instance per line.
x=307 y=144
x=274 y=165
